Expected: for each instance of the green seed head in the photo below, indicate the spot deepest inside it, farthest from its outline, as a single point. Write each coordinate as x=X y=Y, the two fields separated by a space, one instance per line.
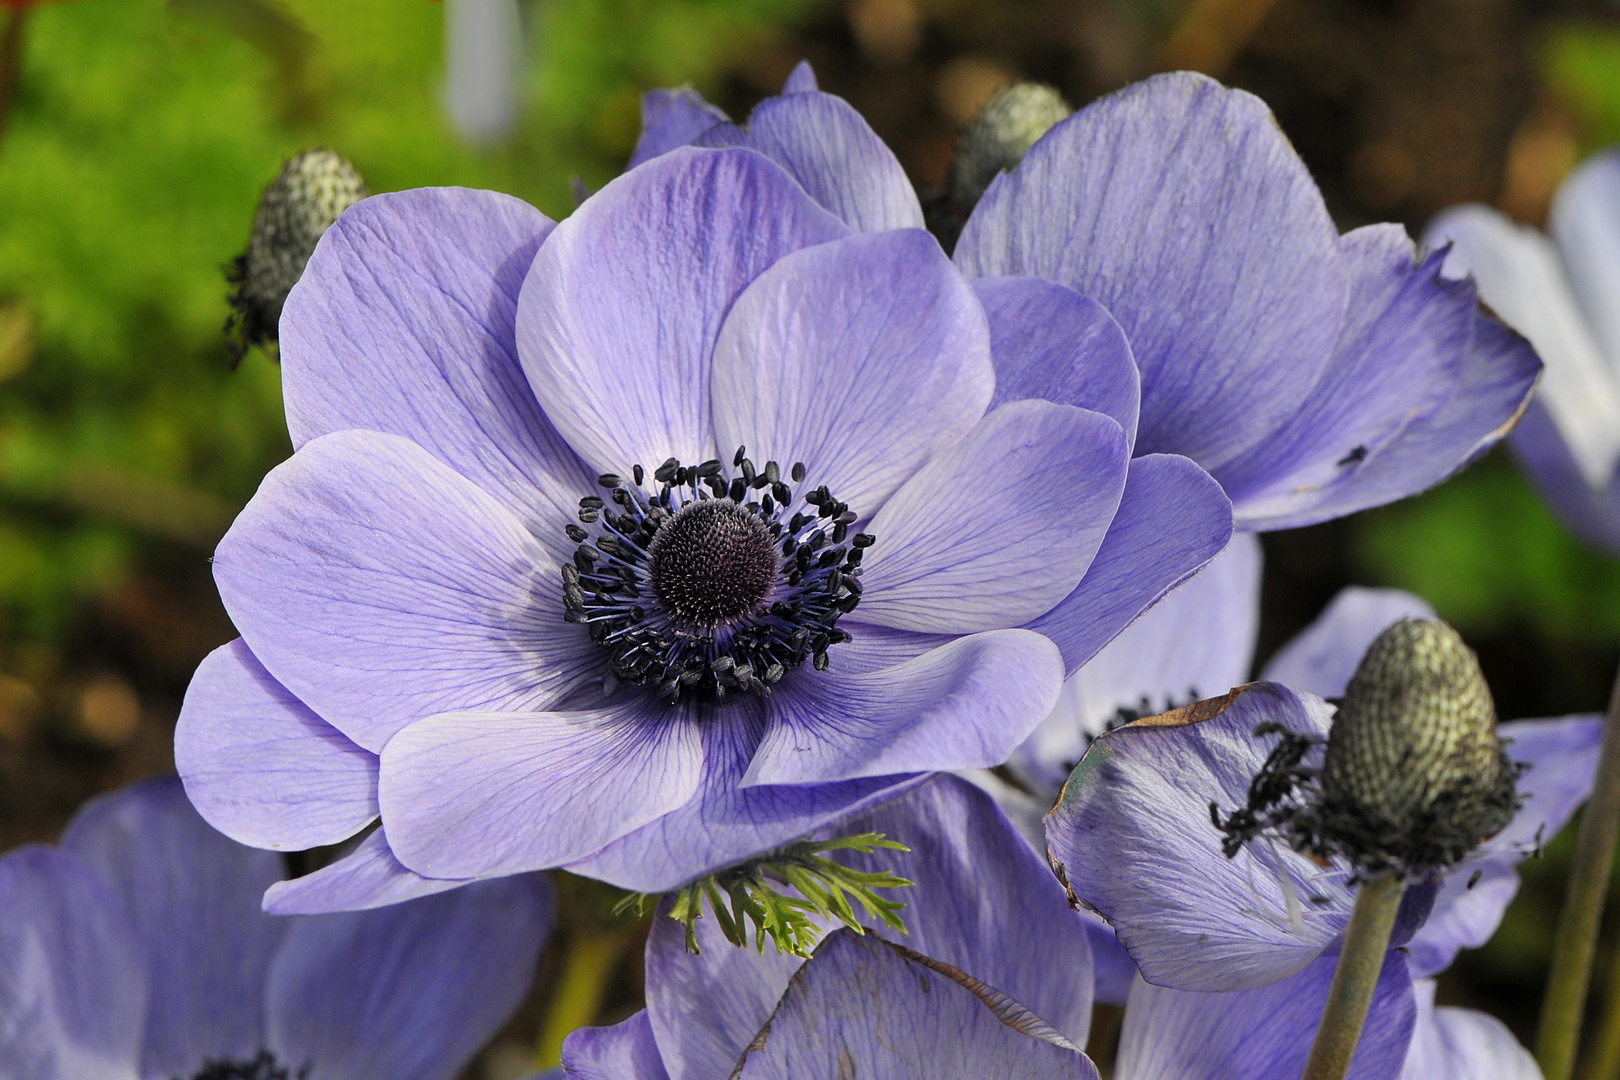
x=306 y=197
x=1415 y=775
x=1001 y=135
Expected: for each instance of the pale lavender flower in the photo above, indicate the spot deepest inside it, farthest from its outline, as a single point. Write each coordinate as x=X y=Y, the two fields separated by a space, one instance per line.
x=137 y=951
x=1561 y=291
x=522 y=594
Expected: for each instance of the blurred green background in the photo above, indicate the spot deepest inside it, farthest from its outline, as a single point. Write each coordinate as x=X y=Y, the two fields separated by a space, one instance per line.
x=139 y=134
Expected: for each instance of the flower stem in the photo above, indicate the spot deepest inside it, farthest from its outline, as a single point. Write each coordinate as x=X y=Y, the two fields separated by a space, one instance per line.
x=11 y=39
x=588 y=968
x=1576 y=937
x=1366 y=941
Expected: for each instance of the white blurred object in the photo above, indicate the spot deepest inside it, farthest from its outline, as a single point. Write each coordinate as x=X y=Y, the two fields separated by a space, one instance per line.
x=483 y=43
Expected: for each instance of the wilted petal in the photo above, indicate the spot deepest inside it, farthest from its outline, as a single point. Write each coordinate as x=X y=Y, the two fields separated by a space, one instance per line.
x=1133 y=836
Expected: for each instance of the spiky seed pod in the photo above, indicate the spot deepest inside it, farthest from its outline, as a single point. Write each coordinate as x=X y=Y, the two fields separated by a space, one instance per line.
x=1000 y=136
x=1414 y=775
x=307 y=196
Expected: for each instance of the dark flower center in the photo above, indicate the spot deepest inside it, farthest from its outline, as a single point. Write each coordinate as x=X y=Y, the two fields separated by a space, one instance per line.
x=712 y=561
x=705 y=584
x=263 y=1067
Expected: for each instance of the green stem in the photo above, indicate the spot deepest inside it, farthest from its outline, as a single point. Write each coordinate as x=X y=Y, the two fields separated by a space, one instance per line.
x=1366 y=942
x=1606 y=1058
x=587 y=971
x=1576 y=939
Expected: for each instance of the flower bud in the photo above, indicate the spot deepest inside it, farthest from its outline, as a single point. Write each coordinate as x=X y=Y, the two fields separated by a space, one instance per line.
x=307 y=196
x=1000 y=136
x=1414 y=775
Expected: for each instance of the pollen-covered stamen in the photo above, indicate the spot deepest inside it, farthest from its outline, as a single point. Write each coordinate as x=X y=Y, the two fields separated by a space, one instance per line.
x=701 y=586
x=262 y=1067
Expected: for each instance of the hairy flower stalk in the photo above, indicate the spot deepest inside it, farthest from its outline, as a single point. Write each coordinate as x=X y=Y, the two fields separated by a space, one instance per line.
x=1575 y=940
x=1414 y=778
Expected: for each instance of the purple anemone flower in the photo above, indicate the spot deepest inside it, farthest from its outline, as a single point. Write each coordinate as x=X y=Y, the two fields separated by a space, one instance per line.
x=1133 y=837
x=993 y=980
x=1561 y=291
x=137 y=951
x=574 y=562
x=1312 y=374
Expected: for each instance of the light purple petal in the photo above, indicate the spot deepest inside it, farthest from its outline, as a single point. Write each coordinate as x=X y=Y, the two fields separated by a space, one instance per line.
x=410 y=992
x=801 y=80
x=619 y=314
x=1050 y=342
x=73 y=976
x=983 y=901
x=727 y=823
x=262 y=768
x=466 y=794
x=975 y=540
x=1562 y=755
x=863 y=1007
x=1172 y=520
x=1399 y=357
x=365 y=878
x=1520 y=276
x=1591 y=514
x=1196 y=642
x=963 y=705
x=1180 y=207
x=1585 y=222
x=1463 y=1044
x=1321 y=658
x=1494 y=392
x=194 y=897
x=824 y=144
x=1133 y=836
x=1260 y=1034
x=704 y=1009
x=671 y=119
x=379 y=587
x=625 y=1051
x=405 y=321
x=862 y=358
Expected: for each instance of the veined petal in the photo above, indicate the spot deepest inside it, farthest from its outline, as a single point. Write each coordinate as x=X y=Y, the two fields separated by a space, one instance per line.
x=1179 y=206
x=1050 y=342
x=1519 y=275
x=726 y=823
x=379 y=586
x=410 y=992
x=862 y=358
x=625 y=1051
x=1462 y=1044
x=909 y=1017
x=1585 y=221
x=618 y=317
x=833 y=153
x=949 y=560
x=465 y=794
x=1132 y=833
x=1399 y=358
x=1172 y=520
x=962 y=705
x=404 y=322
x=74 y=983
x=193 y=896
x=1197 y=641
x=263 y=769
x=365 y=878
x=1262 y=1034
x=672 y=119
x=1321 y=658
